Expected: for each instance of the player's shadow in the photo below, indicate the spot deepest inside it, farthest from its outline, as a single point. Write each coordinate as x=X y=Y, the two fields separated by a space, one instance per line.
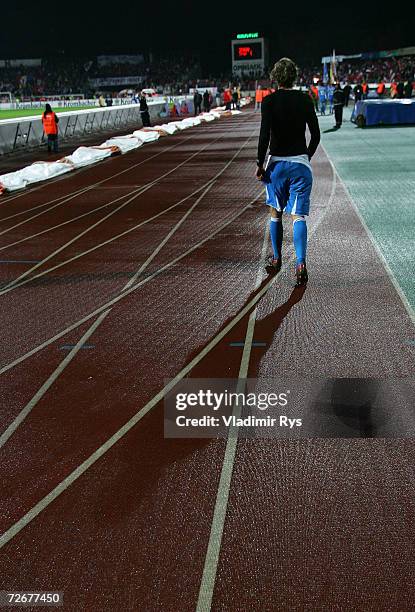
x=151 y=455
x=333 y=129
x=346 y=407
x=224 y=359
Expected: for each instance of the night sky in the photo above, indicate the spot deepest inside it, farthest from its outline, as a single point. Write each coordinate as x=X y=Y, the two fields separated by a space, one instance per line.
x=303 y=31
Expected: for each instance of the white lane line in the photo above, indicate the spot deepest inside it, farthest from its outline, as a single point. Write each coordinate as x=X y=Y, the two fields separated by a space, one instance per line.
x=21 y=280
x=81 y=192
x=74 y=351
x=89 y=212
x=211 y=564
x=373 y=242
x=124 y=294
x=80 y=170
x=207 y=584
x=104 y=448
x=86 y=318
x=89 y=187
x=15 y=283
x=53 y=227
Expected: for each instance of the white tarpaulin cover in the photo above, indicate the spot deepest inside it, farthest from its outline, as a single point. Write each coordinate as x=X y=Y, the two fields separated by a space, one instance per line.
x=168 y=128
x=123 y=143
x=39 y=171
x=146 y=136
x=84 y=156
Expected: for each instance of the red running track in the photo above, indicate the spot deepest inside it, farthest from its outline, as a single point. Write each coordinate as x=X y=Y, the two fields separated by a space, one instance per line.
x=131 y=281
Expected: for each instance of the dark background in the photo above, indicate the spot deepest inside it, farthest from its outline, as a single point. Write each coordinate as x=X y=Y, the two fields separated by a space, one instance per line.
x=303 y=31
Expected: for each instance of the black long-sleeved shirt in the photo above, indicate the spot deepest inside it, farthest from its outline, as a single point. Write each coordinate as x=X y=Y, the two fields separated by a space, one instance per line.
x=285 y=115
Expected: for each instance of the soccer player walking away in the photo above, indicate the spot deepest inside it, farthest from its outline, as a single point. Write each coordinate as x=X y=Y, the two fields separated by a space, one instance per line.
x=288 y=176
x=338 y=101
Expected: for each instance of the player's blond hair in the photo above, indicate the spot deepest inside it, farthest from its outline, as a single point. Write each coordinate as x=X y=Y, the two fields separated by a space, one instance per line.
x=284 y=72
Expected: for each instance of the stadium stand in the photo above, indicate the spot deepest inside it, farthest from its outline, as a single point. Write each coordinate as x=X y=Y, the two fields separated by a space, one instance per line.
x=65 y=76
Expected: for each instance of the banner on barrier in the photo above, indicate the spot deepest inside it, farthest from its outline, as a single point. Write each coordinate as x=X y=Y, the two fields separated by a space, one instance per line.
x=105 y=81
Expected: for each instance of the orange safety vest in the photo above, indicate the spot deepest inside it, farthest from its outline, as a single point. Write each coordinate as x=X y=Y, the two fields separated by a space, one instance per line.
x=259 y=94
x=265 y=93
x=381 y=88
x=50 y=125
x=365 y=87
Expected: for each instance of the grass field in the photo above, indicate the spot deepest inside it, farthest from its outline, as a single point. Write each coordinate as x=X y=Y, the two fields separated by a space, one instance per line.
x=17 y=114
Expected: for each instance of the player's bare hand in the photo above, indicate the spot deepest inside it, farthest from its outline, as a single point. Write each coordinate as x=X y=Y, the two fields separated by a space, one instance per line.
x=260 y=172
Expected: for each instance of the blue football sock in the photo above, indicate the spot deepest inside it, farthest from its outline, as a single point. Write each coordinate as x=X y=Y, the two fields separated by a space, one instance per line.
x=300 y=239
x=277 y=233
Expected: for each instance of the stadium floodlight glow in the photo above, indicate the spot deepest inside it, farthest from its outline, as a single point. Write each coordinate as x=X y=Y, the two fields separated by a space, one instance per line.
x=249 y=35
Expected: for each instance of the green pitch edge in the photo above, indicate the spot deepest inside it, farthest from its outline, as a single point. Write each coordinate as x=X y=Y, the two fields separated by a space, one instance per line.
x=377 y=166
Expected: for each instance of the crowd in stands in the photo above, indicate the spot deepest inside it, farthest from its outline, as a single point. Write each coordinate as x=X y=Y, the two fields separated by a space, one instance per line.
x=370 y=71
x=62 y=75
x=54 y=76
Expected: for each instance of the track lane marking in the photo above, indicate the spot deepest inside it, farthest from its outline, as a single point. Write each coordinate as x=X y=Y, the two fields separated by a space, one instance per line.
x=15 y=283
x=21 y=280
x=207 y=584
x=124 y=294
x=210 y=568
x=80 y=170
x=81 y=190
x=10 y=533
x=84 y=339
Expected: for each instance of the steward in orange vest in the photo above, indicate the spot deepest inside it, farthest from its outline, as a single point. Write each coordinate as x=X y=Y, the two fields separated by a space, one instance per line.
x=380 y=89
x=259 y=94
x=50 y=127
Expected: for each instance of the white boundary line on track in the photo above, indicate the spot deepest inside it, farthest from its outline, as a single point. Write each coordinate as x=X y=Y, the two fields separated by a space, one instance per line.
x=373 y=242
x=124 y=294
x=74 y=351
x=66 y=198
x=69 y=196
x=211 y=564
x=80 y=170
x=81 y=190
x=89 y=212
x=218 y=521
x=16 y=282
x=118 y=435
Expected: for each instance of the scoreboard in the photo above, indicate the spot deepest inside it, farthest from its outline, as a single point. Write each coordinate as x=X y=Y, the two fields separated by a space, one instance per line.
x=249 y=54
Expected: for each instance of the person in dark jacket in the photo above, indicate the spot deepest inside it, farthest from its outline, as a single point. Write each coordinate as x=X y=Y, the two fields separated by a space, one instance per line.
x=235 y=98
x=346 y=90
x=408 y=88
x=145 y=115
x=400 y=89
x=206 y=101
x=197 y=101
x=358 y=92
x=338 y=102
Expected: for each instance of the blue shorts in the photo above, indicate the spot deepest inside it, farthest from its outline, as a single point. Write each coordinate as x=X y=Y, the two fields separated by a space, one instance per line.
x=288 y=187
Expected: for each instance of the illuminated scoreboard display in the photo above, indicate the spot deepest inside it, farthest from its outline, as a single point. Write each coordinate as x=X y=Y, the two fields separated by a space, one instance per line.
x=249 y=53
